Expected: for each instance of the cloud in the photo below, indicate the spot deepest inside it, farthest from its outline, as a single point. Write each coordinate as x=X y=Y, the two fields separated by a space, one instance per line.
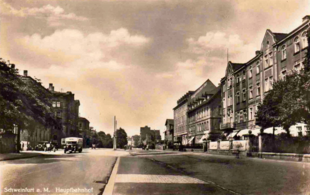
x=215 y=45
x=54 y=14
x=69 y=46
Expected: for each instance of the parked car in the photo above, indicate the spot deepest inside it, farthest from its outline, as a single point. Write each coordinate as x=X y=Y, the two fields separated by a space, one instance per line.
x=41 y=146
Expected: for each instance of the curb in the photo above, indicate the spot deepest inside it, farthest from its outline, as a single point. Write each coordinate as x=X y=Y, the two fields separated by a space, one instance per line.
x=19 y=157
x=108 y=190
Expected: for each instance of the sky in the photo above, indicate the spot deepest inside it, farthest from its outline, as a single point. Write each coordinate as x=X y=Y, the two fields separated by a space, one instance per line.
x=134 y=59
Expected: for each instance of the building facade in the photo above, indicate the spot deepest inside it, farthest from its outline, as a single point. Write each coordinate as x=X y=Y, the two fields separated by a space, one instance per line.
x=41 y=130
x=180 y=119
x=66 y=110
x=204 y=114
x=169 y=132
x=84 y=131
x=245 y=85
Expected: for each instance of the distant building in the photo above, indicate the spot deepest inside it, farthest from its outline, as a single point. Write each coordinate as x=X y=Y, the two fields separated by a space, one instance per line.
x=148 y=136
x=204 y=113
x=84 y=130
x=180 y=118
x=66 y=111
x=169 y=130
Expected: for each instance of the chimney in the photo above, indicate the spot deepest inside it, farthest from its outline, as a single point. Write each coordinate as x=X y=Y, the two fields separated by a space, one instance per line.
x=306 y=19
x=257 y=52
x=51 y=87
x=25 y=73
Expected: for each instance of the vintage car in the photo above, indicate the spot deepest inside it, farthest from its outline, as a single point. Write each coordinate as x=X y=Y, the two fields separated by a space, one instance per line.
x=41 y=146
x=72 y=144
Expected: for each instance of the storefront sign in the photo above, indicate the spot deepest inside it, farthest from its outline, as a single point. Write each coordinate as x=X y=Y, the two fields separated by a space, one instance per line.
x=240 y=145
x=213 y=145
x=224 y=145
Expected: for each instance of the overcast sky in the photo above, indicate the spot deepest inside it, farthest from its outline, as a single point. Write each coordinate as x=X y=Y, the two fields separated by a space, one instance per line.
x=135 y=59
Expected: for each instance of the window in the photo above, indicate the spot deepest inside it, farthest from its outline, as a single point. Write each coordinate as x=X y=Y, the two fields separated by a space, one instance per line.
x=257 y=69
x=250 y=72
x=244 y=95
x=270 y=59
x=244 y=77
x=304 y=40
x=266 y=85
x=238 y=79
x=59 y=114
x=224 y=103
x=58 y=104
x=298 y=66
x=283 y=51
x=238 y=97
x=250 y=113
x=251 y=93
x=270 y=83
x=266 y=61
x=54 y=104
x=296 y=44
x=283 y=74
x=258 y=90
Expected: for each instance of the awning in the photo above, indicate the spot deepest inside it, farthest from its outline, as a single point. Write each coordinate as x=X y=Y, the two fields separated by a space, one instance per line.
x=255 y=132
x=277 y=131
x=243 y=132
x=191 y=139
x=202 y=138
x=233 y=134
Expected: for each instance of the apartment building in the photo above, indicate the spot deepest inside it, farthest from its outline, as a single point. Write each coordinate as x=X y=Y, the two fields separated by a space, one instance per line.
x=204 y=115
x=245 y=85
x=180 y=119
x=169 y=130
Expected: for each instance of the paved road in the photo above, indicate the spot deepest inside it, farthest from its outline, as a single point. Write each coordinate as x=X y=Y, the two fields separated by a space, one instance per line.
x=184 y=173
x=57 y=173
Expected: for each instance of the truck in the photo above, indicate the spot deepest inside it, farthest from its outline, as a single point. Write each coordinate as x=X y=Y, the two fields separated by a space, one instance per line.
x=72 y=144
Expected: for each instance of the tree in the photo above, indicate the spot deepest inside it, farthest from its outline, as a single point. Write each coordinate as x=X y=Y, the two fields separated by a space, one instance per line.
x=21 y=104
x=121 y=136
x=287 y=103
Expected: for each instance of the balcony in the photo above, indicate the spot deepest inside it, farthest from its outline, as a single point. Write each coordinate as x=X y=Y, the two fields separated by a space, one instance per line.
x=227 y=126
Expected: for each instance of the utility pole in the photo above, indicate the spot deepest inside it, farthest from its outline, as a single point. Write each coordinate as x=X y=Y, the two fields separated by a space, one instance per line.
x=114 y=140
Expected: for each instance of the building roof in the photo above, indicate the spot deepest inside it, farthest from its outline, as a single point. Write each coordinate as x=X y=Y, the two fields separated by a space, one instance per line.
x=169 y=121
x=280 y=36
x=236 y=66
x=83 y=119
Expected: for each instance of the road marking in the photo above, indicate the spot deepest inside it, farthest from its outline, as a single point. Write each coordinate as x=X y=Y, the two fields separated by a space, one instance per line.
x=139 y=178
x=108 y=190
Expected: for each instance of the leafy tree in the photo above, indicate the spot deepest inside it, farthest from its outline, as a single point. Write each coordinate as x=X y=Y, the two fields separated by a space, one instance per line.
x=21 y=104
x=121 y=136
x=289 y=101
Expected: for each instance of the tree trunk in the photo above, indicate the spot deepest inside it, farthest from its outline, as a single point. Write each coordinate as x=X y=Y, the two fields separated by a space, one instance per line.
x=18 y=140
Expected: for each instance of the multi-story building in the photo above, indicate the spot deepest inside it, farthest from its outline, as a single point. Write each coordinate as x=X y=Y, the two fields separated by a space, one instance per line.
x=84 y=130
x=169 y=130
x=203 y=113
x=245 y=85
x=41 y=130
x=149 y=136
x=66 y=110
x=180 y=119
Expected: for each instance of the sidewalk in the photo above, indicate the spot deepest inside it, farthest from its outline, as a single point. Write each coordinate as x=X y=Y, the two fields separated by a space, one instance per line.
x=21 y=155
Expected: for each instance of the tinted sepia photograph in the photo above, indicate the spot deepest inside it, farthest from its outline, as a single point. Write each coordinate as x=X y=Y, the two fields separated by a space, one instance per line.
x=154 y=97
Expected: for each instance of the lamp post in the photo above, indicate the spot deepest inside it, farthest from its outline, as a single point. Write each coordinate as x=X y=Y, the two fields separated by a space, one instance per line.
x=114 y=139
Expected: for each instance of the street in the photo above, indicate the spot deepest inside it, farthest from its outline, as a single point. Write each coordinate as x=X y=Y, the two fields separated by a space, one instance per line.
x=56 y=173
x=152 y=172
x=194 y=173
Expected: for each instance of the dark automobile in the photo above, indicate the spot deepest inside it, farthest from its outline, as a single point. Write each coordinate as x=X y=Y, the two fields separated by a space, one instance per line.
x=41 y=146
